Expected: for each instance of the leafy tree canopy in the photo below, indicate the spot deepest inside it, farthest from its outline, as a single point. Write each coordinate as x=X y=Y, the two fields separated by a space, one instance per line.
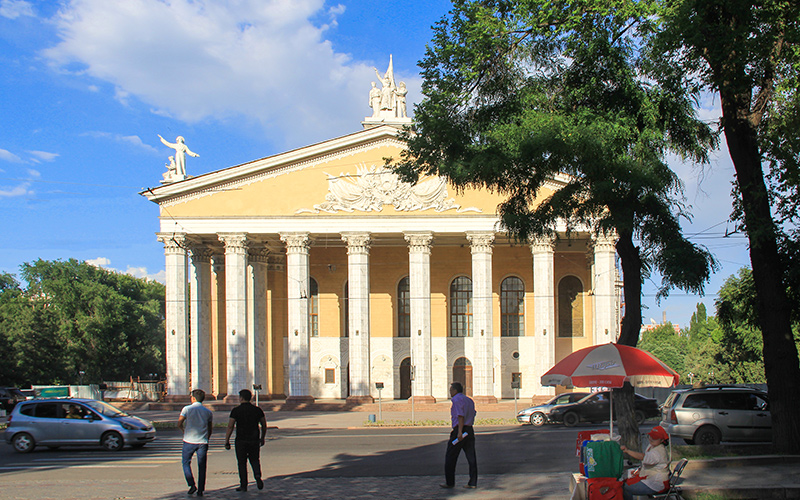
x=73 y=317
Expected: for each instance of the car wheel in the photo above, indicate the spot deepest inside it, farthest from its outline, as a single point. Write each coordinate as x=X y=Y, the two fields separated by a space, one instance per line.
x=23 y=443
x=707 y=435
x=112 y=441
x=538 y=419
x=571 y=419
x=639 y=417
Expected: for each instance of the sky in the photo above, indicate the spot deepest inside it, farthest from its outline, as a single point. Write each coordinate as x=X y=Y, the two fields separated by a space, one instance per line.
x=86 y=87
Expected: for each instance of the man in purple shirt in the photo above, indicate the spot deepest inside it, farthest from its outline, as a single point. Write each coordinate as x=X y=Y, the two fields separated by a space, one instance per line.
x=462 y=437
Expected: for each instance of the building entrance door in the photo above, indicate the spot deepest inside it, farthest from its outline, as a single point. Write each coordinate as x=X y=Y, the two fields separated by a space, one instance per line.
x=405 y=378
x=462 y=372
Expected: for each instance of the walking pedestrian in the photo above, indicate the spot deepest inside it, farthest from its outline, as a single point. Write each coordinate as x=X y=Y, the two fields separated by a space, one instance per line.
x=247 y=418
x=462 y=437
x=196 y=422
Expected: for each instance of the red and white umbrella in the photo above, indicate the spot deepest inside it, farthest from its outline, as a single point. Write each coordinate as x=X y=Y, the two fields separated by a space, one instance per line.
x=610 y=365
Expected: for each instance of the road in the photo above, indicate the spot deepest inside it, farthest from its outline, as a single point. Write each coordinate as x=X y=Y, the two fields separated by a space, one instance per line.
x=290 y=454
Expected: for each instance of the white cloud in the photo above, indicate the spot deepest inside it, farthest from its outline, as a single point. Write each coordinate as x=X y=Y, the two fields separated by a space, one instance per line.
x=16 y=191
x=34 y=173
x=44 y=155
x=99 y=262
x=13 y=9
x=9 y=156
x=136 y=272
x=133 y=140
x=195 y=60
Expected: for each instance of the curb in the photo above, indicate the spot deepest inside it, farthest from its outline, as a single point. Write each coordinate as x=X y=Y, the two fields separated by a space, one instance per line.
x=742 y=461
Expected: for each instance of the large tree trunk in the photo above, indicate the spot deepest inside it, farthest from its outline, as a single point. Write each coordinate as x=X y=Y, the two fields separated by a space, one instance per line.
x=623 y=398
x=780 y=353
x=632 y=288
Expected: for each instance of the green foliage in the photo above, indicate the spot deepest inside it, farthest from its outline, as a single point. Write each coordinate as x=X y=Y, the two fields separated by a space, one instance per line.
x=518 y=93
x=75 y=317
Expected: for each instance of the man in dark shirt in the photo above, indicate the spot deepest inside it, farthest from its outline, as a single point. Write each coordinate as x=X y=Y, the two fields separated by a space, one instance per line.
x=247 y=417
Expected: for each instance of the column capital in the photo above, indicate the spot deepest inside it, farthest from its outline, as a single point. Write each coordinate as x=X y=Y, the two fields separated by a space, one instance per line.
x=480 y=241
x=419 y=242
x=604 y=241
x=296 y=242
x=542 y=244
x=259 y=255
x=174 y=243
x=235 y=243
x=357 y=243
x=200 y=253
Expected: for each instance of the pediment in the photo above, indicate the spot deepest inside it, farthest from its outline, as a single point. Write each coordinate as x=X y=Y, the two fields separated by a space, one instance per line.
x=335 y=178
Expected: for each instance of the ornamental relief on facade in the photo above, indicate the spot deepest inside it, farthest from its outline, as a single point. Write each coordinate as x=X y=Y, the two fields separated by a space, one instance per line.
x=374 y=187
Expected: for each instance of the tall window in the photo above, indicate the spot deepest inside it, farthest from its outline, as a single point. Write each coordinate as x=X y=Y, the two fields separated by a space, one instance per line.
x=346 y=307
x=570 y=307
x=403 y=308
x=313 y=307
x=461 y=307
x=512 y=307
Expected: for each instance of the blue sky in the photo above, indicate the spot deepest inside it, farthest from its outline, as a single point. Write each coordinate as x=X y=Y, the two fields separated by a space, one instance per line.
x=86 y=86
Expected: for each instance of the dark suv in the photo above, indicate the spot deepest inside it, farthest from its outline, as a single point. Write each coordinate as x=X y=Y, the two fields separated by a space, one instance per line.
x=9 y=397
x=712 y=414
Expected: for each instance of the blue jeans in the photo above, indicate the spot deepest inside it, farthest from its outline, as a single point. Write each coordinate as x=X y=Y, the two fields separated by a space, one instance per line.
x=636 y=489
x=190 y=449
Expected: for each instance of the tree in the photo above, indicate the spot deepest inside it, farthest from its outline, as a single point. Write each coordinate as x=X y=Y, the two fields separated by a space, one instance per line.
x=519 y=93
x=74 y=317
x=747 y=53
x=667 y=345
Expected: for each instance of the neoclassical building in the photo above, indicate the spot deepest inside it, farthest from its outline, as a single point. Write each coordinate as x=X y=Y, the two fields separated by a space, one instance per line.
x=317 y=273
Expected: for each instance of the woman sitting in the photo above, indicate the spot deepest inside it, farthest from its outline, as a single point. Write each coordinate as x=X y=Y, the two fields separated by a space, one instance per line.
x=653 y=475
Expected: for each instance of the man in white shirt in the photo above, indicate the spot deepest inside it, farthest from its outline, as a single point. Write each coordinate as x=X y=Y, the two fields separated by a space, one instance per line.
x=196 y=423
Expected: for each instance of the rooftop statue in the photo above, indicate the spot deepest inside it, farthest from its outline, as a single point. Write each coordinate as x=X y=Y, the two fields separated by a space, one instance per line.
x=176 y=168
x=388 y=102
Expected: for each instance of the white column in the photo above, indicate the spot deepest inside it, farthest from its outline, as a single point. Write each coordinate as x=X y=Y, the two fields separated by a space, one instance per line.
x=236 y=312
x=419 y=277
x=257 y=262
x=177 y=319
x=297 y=274
x=200 y=317
x=482 y=318
x=544 y=332
x=605 y=272
x=358 y=305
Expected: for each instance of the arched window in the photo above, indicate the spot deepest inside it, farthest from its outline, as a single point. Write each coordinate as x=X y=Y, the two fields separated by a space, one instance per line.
x=461 y=307
x=570 y=307
x=313 y=307
x=403 y=308
x=512 y=307
x=346 y=307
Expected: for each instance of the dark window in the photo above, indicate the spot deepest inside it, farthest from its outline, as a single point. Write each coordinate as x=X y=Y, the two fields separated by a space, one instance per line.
x=403 y=308
x=47 y=410
x=570 y=307
x=702 y=401
x=512 y=307
x=330 y=376
x=28 y=410
x=461 y=307
x=313 y=307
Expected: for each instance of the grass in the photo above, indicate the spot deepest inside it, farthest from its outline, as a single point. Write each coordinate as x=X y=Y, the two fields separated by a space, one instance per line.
x=438 y=423
x=718 y=451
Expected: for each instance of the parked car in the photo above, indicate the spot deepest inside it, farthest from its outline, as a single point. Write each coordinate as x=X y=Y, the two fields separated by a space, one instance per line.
x=712 y=414
x=9 y=397
x=595 y=408
x=74 y=422
x=538 y=415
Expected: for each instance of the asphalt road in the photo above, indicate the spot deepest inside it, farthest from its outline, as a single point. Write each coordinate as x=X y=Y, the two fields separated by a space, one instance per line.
x=288 y=454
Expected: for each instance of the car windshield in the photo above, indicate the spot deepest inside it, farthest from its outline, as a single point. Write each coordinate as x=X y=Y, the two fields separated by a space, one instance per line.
x=105 y=409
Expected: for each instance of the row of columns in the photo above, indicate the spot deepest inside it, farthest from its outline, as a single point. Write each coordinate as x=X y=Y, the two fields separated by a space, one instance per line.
x=246 y=314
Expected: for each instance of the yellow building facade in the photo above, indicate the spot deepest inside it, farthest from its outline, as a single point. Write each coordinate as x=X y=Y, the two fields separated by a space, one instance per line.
x=317 y=273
